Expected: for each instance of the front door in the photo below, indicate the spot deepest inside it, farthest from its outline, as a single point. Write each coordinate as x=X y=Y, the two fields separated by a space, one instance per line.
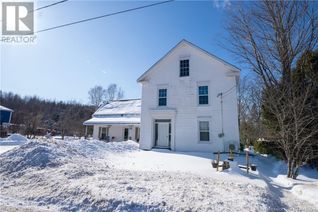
x=163 y=134
x=126 y=134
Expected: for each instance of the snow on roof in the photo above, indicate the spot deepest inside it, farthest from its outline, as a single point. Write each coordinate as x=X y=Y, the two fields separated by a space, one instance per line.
x=128 y=106
x=113 y=120
x=5 y=108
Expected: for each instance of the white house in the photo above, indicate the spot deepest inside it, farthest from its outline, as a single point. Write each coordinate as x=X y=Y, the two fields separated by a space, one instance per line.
x=189 y=102
x=117 y=121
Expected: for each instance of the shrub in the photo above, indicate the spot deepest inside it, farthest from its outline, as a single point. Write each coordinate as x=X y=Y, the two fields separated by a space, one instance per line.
x=261 y=147
x=232 y=147
x=241 y=147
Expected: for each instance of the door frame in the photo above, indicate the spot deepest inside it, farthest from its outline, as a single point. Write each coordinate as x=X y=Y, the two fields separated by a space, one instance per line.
x=100 y=132
x=127 y=133
x=155 y=125
x=137 y=134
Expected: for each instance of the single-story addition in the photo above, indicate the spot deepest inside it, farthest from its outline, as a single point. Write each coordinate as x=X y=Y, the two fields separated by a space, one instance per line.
x=189 y=102
x=117 y=120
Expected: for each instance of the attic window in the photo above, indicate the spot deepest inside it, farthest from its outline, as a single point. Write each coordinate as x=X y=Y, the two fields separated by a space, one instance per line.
x=184 y=68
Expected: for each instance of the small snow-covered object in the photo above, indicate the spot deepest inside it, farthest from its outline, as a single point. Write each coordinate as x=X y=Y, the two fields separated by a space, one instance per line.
x=17 y=137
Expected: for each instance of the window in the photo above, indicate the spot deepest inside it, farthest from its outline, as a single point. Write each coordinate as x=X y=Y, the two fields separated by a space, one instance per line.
x=184 y=68
x=204 y=131
x=203 y=95
x=162 y=97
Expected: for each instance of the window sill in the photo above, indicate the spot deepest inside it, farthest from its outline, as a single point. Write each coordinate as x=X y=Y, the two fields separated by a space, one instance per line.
x=204 y=142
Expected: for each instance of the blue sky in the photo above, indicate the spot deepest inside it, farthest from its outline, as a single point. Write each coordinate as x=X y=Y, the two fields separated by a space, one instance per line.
x=66 y=62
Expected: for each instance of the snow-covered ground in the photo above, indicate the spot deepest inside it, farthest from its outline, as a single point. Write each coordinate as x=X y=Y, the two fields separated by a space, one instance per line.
x=13 y=141
x=90 y=175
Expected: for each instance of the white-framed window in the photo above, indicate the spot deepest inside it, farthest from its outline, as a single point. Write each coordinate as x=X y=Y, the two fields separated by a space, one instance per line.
x=184 y=67
x=203 y=93
x=204 y=130
x=162 y=97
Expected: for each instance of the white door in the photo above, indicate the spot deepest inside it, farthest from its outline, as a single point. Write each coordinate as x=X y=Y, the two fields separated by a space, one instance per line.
x=163 y=134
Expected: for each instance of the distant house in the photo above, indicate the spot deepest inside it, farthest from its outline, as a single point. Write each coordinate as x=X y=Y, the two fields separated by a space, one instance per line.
x=189 y=102
x=5 y=120
x=117 y=121
x=5 y=115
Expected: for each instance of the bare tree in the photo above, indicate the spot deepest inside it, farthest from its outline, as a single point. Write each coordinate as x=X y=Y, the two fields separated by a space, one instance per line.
x=270 y=36
x=96 y=95
x=294 y=118
x=120 y=93
x=250 y=97
x=111 y=92
x=114 y=92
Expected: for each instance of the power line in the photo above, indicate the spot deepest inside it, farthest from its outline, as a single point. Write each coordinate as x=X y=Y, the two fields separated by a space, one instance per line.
x=49 y=5
x=46 y=6
x=103 y=16
x=229 y=90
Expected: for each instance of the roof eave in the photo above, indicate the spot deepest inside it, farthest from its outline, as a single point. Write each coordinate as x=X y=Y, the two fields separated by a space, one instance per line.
x=110 y=123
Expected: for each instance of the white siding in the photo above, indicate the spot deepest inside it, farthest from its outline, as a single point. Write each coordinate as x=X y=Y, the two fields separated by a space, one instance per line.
x=116 y=131
x=182 y=103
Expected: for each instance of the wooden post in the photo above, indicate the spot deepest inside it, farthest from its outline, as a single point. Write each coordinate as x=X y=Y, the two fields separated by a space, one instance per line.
x=232 y=154
x=218 y=161
x=231 y=157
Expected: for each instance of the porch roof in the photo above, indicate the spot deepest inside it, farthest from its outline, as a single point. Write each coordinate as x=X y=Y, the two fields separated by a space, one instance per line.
x=113 y=121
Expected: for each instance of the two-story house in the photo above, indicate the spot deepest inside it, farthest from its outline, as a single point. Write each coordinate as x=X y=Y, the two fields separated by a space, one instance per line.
x=189 y=102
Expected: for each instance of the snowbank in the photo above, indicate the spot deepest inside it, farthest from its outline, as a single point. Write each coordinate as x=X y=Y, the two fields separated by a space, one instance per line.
x=34 y=154
x=40 y=154
x=81 y=175
x=17 y=137
x=307 y=192
x=11 y=142
x=14 y=139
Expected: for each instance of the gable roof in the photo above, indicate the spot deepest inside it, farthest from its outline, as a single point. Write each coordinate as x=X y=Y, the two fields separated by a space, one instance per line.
x=184 y=41
x=120 y=107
